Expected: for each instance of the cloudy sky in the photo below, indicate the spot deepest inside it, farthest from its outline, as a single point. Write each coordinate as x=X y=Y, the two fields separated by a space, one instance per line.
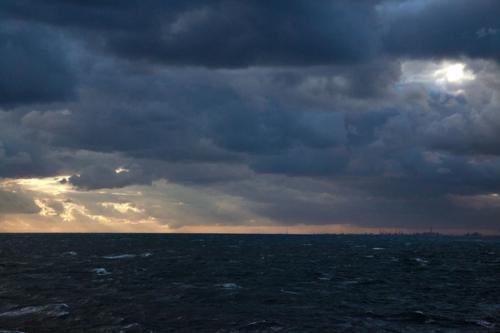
x=250 y=116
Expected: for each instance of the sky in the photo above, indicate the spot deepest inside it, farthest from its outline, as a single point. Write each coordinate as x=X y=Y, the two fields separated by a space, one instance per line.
x=249 y=116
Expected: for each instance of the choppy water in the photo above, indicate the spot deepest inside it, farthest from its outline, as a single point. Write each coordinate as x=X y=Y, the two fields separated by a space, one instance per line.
x=248 y=283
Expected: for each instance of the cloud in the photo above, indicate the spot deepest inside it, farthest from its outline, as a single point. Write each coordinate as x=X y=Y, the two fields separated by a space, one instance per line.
x=373 y=113
x=97 y=176
x=441 y=29
x=225 y=34
x=218 y=33
x=377 y=167
x=33 y=66
x=16 y=203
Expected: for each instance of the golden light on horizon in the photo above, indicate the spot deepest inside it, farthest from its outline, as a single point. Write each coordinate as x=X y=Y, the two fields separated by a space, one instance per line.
x=64 y=208
x=48 y=185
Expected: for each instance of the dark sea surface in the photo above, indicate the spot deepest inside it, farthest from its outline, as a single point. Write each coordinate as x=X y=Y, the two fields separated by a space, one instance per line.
x=249 y=283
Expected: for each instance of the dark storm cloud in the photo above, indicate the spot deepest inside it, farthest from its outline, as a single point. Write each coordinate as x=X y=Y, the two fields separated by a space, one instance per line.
x=199 y=130
x=468 y=128
x=227 y=33
x=181 y=121
x=275 y=130
x=20 y=155
x=98 y=176
x=299 y=109
x=302 y=161
x=314 y=201
x=217 y=33
x=33 y=66
x=442 y=28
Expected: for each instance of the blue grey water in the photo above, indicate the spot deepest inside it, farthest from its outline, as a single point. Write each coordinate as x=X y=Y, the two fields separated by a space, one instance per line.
x=249 y=283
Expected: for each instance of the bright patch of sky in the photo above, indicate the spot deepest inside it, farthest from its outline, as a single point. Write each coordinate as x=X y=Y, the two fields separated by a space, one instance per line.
x=431 y=73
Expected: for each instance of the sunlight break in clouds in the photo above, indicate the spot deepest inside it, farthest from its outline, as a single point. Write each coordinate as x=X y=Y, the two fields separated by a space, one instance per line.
x=442 y=73
x=66 y=209
x=53 y=186
x=453 y=72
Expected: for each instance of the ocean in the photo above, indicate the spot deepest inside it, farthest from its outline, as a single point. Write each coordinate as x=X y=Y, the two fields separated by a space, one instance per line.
x=248 y=283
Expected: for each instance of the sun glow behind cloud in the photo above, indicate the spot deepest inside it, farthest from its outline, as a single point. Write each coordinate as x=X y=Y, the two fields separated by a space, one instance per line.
x=453 y=73
x=442 y=74
x=121 y=170
x=65 y=208
x=50 y=185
